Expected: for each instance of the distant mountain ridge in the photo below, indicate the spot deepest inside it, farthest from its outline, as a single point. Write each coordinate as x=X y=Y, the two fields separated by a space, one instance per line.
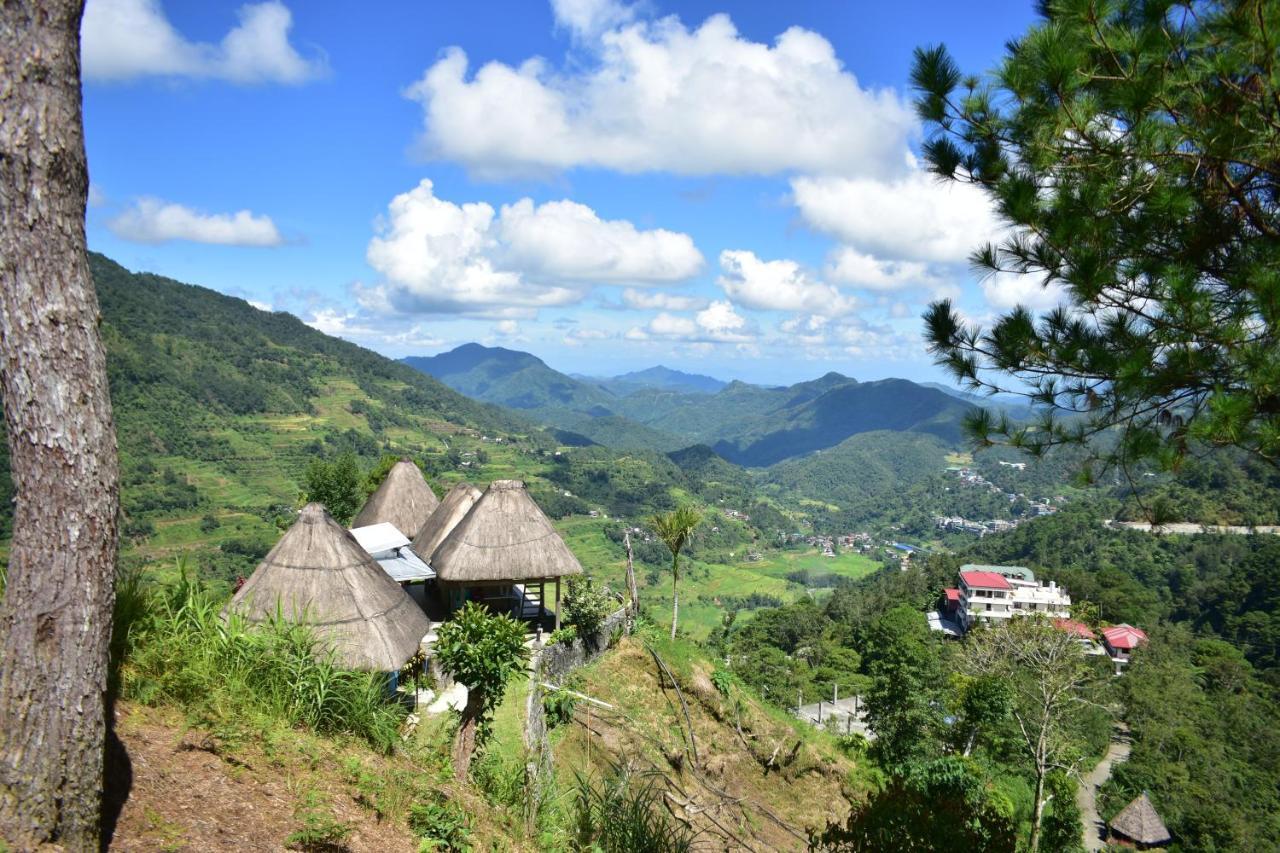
x=746 y=424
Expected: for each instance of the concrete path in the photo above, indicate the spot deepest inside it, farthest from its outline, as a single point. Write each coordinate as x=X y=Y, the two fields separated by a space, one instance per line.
x=849 y=712
x=1188 y=528
x=1095 y=831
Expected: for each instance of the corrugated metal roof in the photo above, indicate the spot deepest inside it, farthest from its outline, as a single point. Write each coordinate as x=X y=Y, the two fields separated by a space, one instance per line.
x=379 y=538
x=390 y=548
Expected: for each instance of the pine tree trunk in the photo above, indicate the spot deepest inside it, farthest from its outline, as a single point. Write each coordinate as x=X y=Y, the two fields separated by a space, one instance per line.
x=55 y=620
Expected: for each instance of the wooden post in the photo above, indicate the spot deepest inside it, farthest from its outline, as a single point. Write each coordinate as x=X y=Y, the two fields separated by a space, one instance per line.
x=632 y=591
x=542 y=601
x=557 y=603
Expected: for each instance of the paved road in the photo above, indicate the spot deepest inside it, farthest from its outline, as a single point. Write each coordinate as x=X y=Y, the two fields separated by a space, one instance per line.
x=1188 y=528
x=1087 y=793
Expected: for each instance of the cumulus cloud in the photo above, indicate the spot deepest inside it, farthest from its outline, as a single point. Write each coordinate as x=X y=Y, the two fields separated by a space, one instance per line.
x=564 y=239
x=718 y=323
x=850 y=266
x=822 y=337
x=151 y=220
x=656 y=300
x=438 y=256
x=779 y=285
x=342 y=324
x=662 y=97
x=128 y=39
x=578 y=337
x=911 y=218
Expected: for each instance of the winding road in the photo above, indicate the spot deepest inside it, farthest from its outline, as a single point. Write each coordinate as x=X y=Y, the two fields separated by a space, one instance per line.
x=1095 y=830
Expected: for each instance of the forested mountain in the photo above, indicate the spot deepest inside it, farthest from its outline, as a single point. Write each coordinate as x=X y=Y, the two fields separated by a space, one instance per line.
x=663 y=378
x=750 y=425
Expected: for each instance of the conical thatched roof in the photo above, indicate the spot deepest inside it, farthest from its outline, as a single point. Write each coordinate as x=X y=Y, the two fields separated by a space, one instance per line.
x=1139 y=823
x=452 y=509
x=319 y=574
x=505 y=537
x=404 y=499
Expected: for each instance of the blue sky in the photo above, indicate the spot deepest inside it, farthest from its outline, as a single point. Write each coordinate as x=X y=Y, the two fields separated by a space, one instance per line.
x=722 y=187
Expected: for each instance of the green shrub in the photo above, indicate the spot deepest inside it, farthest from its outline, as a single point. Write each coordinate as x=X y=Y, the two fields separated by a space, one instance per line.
x=319 y=830
x=586 y=606
x=558 y=706
x=563 y=636
x=441 y=825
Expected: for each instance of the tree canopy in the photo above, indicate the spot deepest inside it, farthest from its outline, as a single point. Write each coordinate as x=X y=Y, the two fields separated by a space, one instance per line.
x=1132 y=147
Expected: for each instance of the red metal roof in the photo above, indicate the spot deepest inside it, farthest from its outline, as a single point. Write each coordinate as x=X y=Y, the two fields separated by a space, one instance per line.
x=952 y=594
x=985 y=580
x=1124 y=636
x=1074 y=628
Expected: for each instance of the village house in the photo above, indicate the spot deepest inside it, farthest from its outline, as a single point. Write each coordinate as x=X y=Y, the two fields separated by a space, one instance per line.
x=1139 y=826
x=319 y=575
x=1120 y=641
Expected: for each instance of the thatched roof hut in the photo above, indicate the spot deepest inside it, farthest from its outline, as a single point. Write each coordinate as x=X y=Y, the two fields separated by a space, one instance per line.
x=452 y=509
x=505 y=537
x=1140 y=825
x=404 y=499
x=318 y=574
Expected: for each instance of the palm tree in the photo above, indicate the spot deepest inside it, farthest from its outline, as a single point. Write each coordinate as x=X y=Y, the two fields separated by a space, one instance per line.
x=674 y=528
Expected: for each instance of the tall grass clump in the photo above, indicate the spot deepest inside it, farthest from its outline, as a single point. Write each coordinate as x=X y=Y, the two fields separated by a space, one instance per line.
x=178 y=650
x=624 y=814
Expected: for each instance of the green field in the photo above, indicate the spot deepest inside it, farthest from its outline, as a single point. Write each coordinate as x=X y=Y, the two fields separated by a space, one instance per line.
x=700 y=581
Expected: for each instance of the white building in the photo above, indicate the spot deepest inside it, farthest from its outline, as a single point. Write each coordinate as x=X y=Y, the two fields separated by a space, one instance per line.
x=995 y=594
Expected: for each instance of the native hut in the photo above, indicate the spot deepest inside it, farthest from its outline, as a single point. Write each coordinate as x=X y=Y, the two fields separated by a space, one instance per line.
x=1138 y=825
x=452 y=509
x=404 y=499
x=319 y=575
x=503 y=553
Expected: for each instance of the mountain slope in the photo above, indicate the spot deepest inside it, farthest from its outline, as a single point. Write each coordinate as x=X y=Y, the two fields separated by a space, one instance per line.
x=663 y=378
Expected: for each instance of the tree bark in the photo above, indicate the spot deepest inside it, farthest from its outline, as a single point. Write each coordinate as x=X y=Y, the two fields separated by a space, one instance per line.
x=464 y=741
x=1037 y=812
x=633 y=608
x=675 y=596
x=55 y=620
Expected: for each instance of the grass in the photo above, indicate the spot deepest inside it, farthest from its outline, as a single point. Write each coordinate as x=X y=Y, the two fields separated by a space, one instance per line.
x=174 y=648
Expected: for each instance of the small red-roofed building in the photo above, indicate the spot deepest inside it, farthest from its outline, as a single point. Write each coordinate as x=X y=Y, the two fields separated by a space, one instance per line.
x=951 y=601
x=1079 y=630
x=1120 y=641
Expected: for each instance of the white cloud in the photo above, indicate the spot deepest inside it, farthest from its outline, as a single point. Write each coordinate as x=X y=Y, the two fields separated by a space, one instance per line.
x=850 y=266
x=590 y=18
x=343 y=324
x=578 y=337
x=1007 y=290
x=649 y=300
x=718 y=323
x=567 y=240
x=913 y=218
x=127 y=39
x=663 y=97
x=437 y=256
x=506 y=328
x=261 y=306
x=779 y=285
x=151 y=220
x=820 y=337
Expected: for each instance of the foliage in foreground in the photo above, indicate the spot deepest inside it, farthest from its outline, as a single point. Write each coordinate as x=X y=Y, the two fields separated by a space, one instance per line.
x=176 y=649
x=1133 y=146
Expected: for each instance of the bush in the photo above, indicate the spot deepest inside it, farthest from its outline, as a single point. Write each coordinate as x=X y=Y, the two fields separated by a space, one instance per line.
x=586 y=607
x=179 y=651
x=441 y=825
x=621 y=815
x=558 y=706
x=563 y=636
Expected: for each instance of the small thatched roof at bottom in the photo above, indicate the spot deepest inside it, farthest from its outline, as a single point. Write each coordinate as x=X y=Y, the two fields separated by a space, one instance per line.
x=319 y=575
x=404 y=499
x=452 y=509
x=505 y=537
x=1138 y=822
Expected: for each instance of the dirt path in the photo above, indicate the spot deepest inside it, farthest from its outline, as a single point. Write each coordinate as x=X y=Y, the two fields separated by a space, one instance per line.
x=1087 y=793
